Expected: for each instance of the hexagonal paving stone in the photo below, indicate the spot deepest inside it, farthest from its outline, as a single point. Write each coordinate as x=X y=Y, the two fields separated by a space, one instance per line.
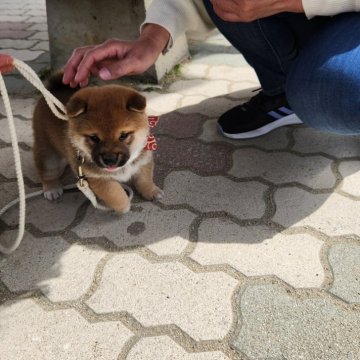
x=12 y=18
x=15 y=34
x=180 y=125
x=23 y=130
x=203 y=158
x=17 y=44
x=11 y=25
x=345 y=263
x=163 y=347
x=243 y=200
x=40 y=35
x=165 y=232
x=24 y=55
x=312 y=141
x=16 y=84
x=41 y=45
x=37 y=12
x=49 y=215
x=163 y=294
x=238 y=89
x=331 y=214
x=219 y=59
x=258 y=250
x=200 y=87
x=241 y=95
x=61 y=271
x=276 y=140
x=194 y=71
x=10 y=192
x=279 y=168
x=158 y=104
x=28 y=332
x=277 y=325
x=350 y=171
x=7 y=164
x=231 y=73
x=192 y=104
x=38 y=27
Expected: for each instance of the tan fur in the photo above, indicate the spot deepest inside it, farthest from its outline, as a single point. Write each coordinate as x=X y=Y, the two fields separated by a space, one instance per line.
x=99 y=117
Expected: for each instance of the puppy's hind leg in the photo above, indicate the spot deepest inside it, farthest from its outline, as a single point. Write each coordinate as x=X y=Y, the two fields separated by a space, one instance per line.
x=50 y=168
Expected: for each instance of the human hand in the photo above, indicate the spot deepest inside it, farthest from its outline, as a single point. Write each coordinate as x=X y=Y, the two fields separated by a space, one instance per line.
x=250 y=10
x=115 y=58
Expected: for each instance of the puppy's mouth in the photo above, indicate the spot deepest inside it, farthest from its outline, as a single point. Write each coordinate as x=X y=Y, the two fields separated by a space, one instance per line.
x=112 y=168
x=112 y=162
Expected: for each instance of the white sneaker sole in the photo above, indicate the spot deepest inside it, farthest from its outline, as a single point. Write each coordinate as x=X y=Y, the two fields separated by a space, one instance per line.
x=284 y=121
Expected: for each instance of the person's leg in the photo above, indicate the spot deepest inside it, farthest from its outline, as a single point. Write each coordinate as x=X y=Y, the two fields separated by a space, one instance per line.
x=270 y=46
x=323 y=85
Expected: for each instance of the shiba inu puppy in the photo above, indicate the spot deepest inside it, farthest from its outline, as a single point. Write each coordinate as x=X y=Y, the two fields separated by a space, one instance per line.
x=108 y=128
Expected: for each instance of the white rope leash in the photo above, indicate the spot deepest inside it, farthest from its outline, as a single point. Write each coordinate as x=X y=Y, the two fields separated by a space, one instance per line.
x=30 y=75
x=19 y=174
x=55 y=105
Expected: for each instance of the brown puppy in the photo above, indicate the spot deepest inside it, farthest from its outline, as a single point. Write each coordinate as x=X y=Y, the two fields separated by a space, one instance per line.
x=108 y=127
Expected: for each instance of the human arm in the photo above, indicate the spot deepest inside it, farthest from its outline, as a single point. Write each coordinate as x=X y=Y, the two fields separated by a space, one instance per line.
x=179 y=17
x=329 y=7
x=250 y=10
x=115 y=58
x=165 y=21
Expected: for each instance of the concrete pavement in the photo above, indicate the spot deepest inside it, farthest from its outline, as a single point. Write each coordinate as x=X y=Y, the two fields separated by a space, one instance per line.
x=253 y=253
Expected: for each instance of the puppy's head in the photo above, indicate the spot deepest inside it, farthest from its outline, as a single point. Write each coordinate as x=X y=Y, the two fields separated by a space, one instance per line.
x=108 y=125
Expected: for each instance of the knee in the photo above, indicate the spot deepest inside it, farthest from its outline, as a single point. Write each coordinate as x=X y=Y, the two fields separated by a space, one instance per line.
x=324 y=98
x=323 y=85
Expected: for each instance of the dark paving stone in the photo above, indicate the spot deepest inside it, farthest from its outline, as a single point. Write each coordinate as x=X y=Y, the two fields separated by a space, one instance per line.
x=17 y=85
x=6 y=26
x=206 y=159
x=180 y=125
x=15 y=34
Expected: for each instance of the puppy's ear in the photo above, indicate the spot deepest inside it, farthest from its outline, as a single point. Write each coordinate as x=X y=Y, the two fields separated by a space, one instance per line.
x=75 y=107
x=136 y=102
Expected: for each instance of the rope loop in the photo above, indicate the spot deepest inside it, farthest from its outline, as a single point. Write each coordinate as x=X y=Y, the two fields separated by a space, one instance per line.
x=7 y=65
x=29 y=74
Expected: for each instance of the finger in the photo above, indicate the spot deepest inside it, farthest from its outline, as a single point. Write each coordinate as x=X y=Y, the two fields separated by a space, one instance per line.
x=228 y=16
x=224 y=5
x=115 y=69
x=72 y=64
x=91 y=58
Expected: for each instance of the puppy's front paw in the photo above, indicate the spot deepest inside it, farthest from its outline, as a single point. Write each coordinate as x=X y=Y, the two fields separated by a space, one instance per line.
x=124 y=208
x=154 y=194
x=53 y=194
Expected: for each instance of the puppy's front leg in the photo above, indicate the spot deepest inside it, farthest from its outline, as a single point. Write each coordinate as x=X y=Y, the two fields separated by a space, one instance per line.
x=111 y=193
x=144 y=183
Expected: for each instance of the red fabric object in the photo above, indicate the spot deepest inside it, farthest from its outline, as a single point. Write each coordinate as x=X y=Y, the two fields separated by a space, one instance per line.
x=6 y=64
x=151 y=142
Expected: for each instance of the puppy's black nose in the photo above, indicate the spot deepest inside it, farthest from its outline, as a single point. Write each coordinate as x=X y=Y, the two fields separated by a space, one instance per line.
x=110 y=159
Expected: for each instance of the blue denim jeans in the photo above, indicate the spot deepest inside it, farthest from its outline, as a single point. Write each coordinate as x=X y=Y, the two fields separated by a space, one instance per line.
x=316 y=62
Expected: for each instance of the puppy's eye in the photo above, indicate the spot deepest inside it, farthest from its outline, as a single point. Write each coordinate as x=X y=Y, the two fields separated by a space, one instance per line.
x=94 y=138
x=123 y=136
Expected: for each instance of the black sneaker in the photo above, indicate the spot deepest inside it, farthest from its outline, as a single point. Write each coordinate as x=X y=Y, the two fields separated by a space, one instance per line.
x=260 y=115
